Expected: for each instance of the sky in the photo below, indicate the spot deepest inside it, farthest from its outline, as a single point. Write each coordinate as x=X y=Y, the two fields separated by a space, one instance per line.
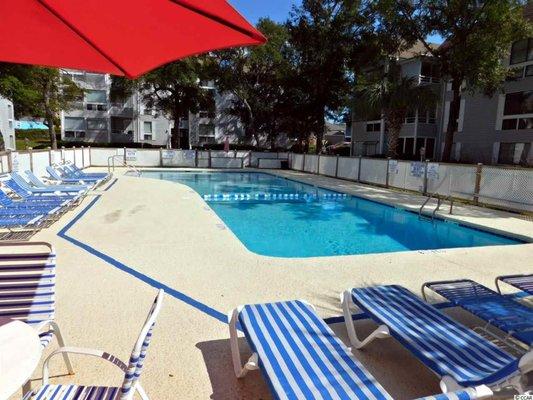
x=278 y=10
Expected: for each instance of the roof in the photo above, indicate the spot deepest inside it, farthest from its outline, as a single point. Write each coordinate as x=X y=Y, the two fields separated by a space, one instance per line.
x=418 y=49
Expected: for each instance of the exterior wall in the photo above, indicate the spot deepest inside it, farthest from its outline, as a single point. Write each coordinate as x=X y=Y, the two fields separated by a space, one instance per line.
x=7 y=123
x=132 y=122
x=363 y=142
x=481 y=134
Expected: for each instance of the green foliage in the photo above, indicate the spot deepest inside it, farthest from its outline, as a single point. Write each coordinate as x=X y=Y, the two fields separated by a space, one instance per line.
x=393 y=96
x=173 y=90
x=39 y=92
x=326 y=51
x=256 y=76
x=477 y=38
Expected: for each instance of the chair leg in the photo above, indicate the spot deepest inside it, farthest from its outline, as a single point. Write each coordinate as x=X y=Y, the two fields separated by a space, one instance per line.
x=253 y=362
x=61 y=343
x=381 y=332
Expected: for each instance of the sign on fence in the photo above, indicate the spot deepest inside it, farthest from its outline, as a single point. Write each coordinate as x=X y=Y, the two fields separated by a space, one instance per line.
x=168 y=154
x=189 y=154
x=131 y=155
x=417 y=169
x=433 y=171
x=393 y=166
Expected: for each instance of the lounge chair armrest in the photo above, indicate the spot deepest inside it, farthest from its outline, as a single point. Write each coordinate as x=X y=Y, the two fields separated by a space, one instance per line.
x=478 y=392
x=526 y=362
x=84 y=351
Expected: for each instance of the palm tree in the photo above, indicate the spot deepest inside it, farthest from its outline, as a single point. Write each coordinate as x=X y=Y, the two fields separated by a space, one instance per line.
x=393 y=96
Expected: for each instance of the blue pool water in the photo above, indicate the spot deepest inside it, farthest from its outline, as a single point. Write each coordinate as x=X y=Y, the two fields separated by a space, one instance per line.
x=277 y=217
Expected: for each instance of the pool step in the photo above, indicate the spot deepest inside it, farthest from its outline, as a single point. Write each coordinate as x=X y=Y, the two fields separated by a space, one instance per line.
x=273 y=197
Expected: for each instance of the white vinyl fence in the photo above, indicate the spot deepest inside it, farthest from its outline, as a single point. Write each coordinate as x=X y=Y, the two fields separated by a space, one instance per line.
x=506 y=187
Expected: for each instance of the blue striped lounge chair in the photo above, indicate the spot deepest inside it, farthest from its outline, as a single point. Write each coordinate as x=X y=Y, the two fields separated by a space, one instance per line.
x=132 y=370
x=523 y=282
x=27 y=288
x=500 y=311
x=301 y=358
x=456 y=354
x=73 y=170
x=47 y=189
x=56 y=176
x=35 y=181
x=62 y=199
x=31 y=203
x=66 y=172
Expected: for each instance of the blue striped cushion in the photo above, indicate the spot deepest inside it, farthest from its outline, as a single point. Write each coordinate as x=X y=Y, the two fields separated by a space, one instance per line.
x=445 y=346
x=508 y=315
x=74 y=392
x=522 y=282
x=461 y=395
x=301 y=357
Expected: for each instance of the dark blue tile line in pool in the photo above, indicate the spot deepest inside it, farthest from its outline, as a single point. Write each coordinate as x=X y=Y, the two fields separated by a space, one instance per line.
x=142 y=277
x=111 y=185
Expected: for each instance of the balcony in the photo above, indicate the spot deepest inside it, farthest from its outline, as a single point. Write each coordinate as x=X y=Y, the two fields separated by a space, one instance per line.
x=425 y=80
x=121 y=109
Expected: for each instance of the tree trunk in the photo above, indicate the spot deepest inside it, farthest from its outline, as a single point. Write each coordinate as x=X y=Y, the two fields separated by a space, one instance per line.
x=51 y=131
x=455 y=106
x=320 y=133
x=394 y=123
x=251 y=131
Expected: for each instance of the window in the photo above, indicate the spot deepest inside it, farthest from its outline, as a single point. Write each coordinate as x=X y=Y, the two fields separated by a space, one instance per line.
x=147 y=137
x=97 y=124
x=529 y=70
x=430 y=147
x=410 y=117
x=518 y=103
x=10 y=123
x=369 y=148
x=206 y=130
x=373 y=126
x=203 y=114
x=513 y=153
x=96 y=96
x=147 y=127
x=409 y=143
x=509 y=124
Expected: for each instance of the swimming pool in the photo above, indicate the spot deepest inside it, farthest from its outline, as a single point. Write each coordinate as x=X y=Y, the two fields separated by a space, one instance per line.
x=278 y=217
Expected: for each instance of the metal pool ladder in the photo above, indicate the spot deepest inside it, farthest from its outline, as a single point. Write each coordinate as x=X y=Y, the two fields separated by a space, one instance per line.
x=111 y=164
x=440 y=199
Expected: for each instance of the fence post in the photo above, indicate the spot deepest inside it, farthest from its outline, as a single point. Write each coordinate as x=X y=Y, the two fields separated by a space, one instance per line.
x=125 y=161
x=49 y=155
x=196 y=158
x=9 y=161
x=62 y=154
x=303 y=164
x=387 y=173
x=30 y=152
x=90 y=157
x=318 y=165
x=337 y=167
x=359 y=169
x=82 y=157
x=479 y=169
x=209 y=158
x=425 y=185
x=74 y=154
x=160 y=156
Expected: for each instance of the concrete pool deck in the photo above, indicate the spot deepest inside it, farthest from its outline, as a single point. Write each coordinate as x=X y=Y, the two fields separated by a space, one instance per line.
x=143 y=232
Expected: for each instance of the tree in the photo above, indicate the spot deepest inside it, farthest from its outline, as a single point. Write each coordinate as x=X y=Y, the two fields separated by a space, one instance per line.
x=176 y=89
x=477 y=37
x=326 y=51
x=39 y=92
x=393 y=96
x=255 y=77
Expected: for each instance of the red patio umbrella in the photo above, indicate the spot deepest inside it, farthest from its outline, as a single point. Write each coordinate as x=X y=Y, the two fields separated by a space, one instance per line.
x=121 y=37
